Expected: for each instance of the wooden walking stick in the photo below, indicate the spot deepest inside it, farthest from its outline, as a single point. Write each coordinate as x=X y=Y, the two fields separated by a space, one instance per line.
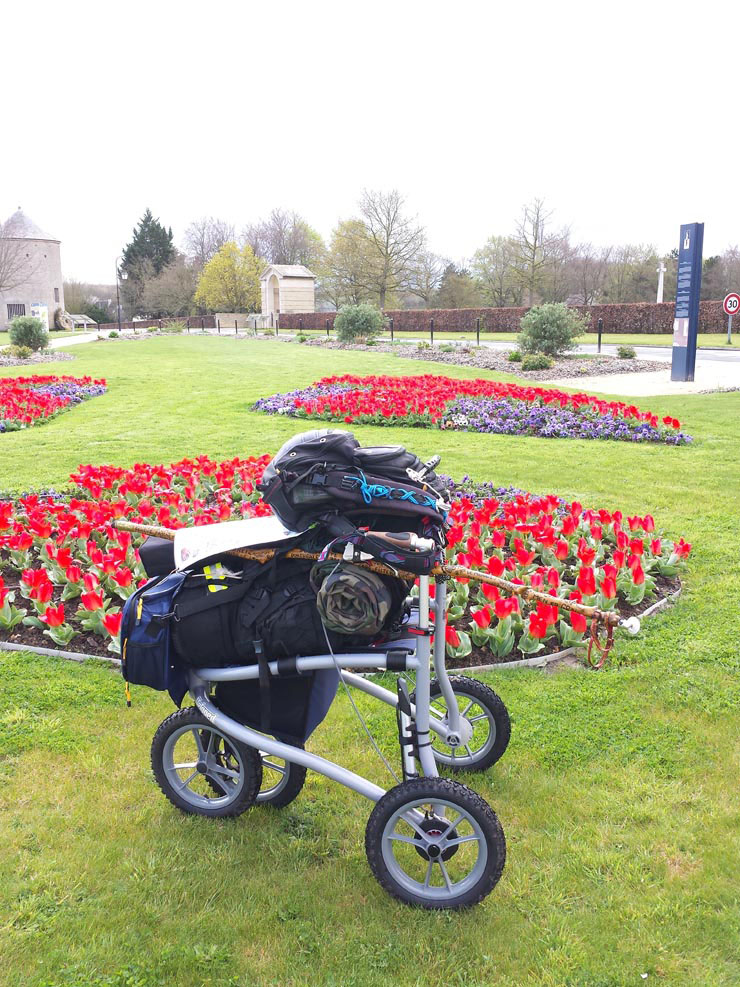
x=594 y=614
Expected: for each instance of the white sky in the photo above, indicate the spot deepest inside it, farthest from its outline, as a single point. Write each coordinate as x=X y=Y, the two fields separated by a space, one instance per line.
x=623 y=116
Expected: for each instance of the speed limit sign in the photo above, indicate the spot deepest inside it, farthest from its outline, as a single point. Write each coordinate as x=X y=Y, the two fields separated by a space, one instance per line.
x=731 y=305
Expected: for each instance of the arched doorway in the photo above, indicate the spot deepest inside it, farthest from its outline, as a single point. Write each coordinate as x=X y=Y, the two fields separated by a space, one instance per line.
x=273 y=294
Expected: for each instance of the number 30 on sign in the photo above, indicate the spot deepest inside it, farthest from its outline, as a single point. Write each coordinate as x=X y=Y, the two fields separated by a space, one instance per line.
x=731 y=304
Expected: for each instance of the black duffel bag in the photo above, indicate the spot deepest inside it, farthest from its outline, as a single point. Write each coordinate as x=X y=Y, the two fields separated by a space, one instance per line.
x=223 y=609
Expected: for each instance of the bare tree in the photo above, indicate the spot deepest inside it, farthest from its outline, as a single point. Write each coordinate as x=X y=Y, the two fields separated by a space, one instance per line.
x=205 y=236
x=15 y=266
x=493 y=268
x=425 y=275
x=590 y=268
x=537 y=246
x=394 y=242
x=285 y=238
x=171 y=292
x=344 y=275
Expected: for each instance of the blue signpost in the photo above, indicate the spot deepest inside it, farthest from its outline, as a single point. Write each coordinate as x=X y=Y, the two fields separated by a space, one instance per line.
x=688 y=288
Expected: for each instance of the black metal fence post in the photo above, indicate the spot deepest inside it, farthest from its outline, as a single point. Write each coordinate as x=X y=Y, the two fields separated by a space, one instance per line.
x=218 y=323
x=477 y=332
x=202 y=325
x=431 y=331
x=391 y=325
x=327 y=327
x=300 y=325
x=236 y=328
x=599 y=329
x=188 y=327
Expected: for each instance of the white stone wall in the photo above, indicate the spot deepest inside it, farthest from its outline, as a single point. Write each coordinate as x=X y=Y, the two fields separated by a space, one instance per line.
x=297 y=295
x=44 y=275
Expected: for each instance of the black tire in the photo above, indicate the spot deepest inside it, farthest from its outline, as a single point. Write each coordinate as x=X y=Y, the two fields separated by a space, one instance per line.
x=287 y=788
x=401 y=876
x=227 y=774
x=491 y=747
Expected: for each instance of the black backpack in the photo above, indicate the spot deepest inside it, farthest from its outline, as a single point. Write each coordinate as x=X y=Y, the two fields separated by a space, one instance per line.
x=324 y=472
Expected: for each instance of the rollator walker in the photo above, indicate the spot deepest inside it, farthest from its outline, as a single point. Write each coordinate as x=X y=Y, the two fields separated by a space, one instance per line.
x=431 y=841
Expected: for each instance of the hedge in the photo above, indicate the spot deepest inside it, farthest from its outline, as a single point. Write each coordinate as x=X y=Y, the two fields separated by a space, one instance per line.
x=639 y=317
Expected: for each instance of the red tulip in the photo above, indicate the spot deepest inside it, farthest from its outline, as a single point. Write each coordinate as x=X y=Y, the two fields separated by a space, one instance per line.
x=682 y=549
x=452 y=637
x=561 y=550
x=123 y=577
x=537 y=626
x=91 y=581
x=586 y=582
x=577 y=621
x=609 y=587
x=553 y=578
x=656 y=546
x=638 y=576
x=92 y=600
x=112 y=623
x=495 y=566
x=637 y=546
x=53 y=616
x=490 y=592
x=482 y=617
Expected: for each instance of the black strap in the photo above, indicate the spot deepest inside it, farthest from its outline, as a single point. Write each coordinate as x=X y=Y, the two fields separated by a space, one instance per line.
x=287 y=666
x=396 y=661
x=264 y=681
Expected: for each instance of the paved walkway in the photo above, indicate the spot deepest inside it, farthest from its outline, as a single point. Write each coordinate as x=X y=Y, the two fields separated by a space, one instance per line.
x=59 y=342
x=709 y=375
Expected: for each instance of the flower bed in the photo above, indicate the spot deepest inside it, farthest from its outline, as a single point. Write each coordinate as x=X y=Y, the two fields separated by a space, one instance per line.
x=27 y=401
x=65 y=571
x=472 y=405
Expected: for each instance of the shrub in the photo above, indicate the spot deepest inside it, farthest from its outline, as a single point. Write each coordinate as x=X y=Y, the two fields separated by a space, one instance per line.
x=301 y=337
x=113 y=334
x=174 y=327
x=149 y=329
x=362 y=321
x=27 y=331
x=626 y=353
x=421 y=345
x=515 y=356
x=536 y=361
x=550 y=329
x=17 y=352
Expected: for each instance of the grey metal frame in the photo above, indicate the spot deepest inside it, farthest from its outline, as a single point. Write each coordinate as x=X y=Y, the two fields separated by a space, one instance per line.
x=454 y=731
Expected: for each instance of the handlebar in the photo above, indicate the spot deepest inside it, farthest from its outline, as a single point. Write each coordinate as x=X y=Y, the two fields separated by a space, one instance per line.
x=404 y=539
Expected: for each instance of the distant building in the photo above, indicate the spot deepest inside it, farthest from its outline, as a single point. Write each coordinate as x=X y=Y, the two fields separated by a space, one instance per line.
x=287 y=288
x=36 y=287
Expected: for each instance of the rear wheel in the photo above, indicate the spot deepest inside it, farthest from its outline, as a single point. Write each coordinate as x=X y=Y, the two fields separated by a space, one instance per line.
x=486 y=713
x=202 y=770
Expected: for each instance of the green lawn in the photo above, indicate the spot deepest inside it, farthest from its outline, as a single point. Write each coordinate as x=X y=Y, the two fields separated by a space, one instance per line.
x=618 y=793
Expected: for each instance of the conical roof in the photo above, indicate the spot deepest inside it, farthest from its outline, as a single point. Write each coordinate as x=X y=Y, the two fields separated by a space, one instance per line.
x=20 y=227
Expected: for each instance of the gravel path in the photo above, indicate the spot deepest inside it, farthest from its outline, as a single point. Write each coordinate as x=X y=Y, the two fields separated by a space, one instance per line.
x=488 y=359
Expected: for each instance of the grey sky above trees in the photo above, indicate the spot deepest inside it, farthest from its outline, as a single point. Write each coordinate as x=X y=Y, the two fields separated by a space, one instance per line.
x=597 y=109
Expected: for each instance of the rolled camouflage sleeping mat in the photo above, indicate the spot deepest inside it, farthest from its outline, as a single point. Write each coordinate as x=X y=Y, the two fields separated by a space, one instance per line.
x=350 y=599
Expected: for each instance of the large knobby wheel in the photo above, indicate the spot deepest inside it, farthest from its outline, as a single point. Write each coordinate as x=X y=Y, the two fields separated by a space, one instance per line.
x=487 y=715
x=202 y=770
x=435 y=843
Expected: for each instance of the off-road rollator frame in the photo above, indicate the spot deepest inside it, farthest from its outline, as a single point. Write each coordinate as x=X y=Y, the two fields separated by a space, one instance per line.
x=430 y=841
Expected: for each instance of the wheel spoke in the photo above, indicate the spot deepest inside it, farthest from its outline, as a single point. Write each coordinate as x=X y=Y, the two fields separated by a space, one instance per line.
x=402 y=838
x=281 y=769
x=456 y=841
x=465 y=711
x=199 y=743
x=478 y=716
x=407 y=817
x=428 y=876
x=467 y=748
x=218 y=769
x=186 y=764
x=451 y=825
x=209 y=748
x=185 y=784
x=446 y=876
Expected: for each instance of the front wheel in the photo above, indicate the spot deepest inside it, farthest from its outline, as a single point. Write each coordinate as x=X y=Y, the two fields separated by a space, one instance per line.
x=487 y=715
x=435 y=843
x=202 y=770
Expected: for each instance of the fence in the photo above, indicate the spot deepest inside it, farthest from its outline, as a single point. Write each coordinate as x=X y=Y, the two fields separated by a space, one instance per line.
x=194 y=322
x=639 y=317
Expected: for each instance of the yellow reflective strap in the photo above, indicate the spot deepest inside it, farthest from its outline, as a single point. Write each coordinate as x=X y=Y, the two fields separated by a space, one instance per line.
x=213 y=572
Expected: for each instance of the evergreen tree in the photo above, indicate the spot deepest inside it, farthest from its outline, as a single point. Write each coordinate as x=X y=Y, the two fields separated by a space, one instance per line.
x=150 y=248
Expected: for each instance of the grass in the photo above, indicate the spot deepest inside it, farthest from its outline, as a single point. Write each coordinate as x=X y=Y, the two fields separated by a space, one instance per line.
x=707 y=339
x=617 y=794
